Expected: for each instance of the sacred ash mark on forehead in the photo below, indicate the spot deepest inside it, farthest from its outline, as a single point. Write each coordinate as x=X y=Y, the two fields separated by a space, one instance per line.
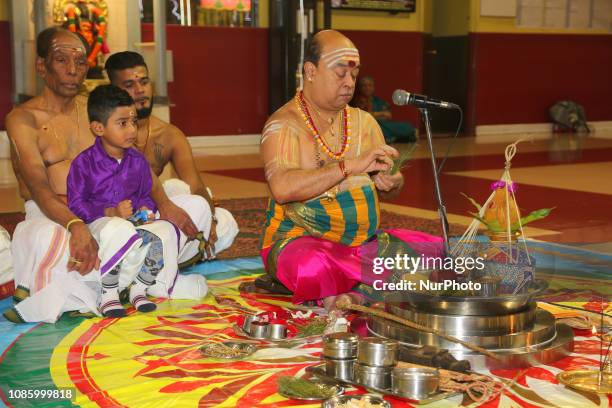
x=57 y=45
x=349 y=55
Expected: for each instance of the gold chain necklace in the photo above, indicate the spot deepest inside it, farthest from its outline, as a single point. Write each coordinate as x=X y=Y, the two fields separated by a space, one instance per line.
x=69 y=141
x=144 y=146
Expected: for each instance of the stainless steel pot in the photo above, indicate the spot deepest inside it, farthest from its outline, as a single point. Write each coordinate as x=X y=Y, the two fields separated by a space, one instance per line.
x=259 y=329
x=341 y=369
x=340 y=345
x=248 y=319
x=415 y=383
x=373 y=377
x=377 y=352
x=276 y=331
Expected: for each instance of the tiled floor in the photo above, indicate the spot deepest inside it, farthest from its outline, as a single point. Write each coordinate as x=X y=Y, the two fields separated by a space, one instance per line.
x=568 y=172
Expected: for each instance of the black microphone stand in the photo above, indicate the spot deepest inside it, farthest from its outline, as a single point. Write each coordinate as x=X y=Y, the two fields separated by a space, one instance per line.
x=441 y=208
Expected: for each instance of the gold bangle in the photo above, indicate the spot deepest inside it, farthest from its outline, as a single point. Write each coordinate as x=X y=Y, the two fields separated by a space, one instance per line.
x=342 y=166
x=73 y=221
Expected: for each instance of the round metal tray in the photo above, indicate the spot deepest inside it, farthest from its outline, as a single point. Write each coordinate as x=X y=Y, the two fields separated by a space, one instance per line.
x=470 y=325
x=467 y=305
x=542 y=332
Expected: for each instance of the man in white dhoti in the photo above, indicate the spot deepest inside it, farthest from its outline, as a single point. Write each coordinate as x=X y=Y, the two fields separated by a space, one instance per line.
x=164 y=143
x=53 y=256
x=6 y=264
x=109 y=187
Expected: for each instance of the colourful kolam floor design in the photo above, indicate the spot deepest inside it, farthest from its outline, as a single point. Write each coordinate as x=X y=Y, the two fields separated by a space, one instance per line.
x=152 y=360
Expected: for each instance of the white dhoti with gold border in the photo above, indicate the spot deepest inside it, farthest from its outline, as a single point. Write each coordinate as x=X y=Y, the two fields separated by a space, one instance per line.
x=40 y=249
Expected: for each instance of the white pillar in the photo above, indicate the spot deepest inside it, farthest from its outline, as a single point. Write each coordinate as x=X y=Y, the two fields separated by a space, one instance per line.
x=123 y=27
x=159 y=21
x=22 y=37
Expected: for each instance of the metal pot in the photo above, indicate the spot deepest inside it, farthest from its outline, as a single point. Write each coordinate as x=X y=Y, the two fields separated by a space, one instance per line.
x=248 y=319
x=340 y=369
x=259 y=329
x=377 y=352
x=415 y=383
x=340 y=345
x=276 y=331
x=373 y=377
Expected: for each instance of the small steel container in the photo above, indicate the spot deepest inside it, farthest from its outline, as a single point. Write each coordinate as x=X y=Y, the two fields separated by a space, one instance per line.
x=259 y=329
x=373 y=377
x=246 y=325
x=377 y=352
x=415 y=383
x=276 y=331
x=340 y=369
x=340 y=345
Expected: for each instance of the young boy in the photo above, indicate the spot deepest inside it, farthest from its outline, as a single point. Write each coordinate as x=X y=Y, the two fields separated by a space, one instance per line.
x=107 y=184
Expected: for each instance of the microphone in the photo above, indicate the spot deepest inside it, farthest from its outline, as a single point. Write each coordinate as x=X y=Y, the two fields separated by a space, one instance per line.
x=401 y=98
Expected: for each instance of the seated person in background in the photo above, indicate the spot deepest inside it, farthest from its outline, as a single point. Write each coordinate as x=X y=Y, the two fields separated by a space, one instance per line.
x=106 y=183
x=162 y=143
x=400 y=132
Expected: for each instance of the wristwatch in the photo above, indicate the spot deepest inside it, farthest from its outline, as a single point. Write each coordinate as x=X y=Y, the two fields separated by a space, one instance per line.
x=214 y=218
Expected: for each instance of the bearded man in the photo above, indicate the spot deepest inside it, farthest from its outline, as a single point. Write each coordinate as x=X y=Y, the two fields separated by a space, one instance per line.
x=164 y=143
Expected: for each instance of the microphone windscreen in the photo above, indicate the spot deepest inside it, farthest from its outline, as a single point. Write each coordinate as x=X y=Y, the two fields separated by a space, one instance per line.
x=400 y=97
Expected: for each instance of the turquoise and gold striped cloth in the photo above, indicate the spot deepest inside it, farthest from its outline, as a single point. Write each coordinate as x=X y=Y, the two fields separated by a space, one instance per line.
x=350 y=218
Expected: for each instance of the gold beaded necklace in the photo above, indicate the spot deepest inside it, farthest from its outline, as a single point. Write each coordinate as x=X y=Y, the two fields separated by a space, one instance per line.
x=301 y=104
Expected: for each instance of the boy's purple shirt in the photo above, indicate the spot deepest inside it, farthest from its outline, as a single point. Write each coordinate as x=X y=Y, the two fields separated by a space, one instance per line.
x=97 y=181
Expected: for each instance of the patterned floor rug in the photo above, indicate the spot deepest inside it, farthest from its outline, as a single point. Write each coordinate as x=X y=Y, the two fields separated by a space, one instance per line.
x=154 y=360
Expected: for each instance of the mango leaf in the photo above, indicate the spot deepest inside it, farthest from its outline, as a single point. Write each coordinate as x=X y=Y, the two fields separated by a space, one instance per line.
x=495 y=226
x=492 y=225
x=474 y=203
x=533 y=216
x=403 y=159
x=478 y=217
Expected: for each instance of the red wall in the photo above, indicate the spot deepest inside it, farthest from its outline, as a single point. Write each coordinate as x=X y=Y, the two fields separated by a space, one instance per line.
x=515 y=78
x=6 y=75
x=220 y=78
x=395 y=60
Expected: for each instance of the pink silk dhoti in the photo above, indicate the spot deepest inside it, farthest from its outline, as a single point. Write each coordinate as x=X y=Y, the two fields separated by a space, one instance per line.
x=314 y=268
